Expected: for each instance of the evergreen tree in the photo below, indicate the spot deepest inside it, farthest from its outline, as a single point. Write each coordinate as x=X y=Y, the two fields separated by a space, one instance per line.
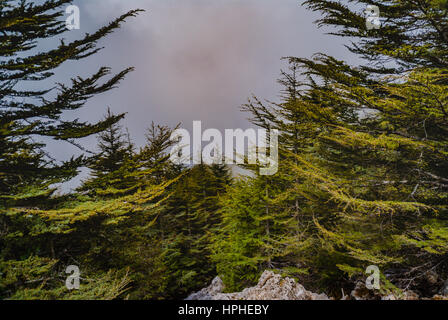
x=188 y=224
x=384 y=166
x=41 y=233
x=155 y=153
x=114 y=149
x=413 y=33
x=263 y=219
x=255 y=235
x=113 y=165
x=26 y=169
x=363 y=155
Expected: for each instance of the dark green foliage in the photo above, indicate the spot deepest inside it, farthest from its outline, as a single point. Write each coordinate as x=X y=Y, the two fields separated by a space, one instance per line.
x=362 y=179
x=257 y=233
x=187 y=226
x=413 y=33
x=24 y=114
x=41 y=233
x=364 y=153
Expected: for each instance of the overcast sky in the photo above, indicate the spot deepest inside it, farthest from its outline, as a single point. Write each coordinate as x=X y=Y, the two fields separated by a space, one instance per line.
x=194 y=59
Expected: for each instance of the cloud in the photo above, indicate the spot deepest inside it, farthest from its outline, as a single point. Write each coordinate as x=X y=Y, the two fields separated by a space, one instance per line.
x=201 y=59
x=194 y=59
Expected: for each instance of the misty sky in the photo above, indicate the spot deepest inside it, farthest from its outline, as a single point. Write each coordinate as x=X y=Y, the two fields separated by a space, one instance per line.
x=194 y=59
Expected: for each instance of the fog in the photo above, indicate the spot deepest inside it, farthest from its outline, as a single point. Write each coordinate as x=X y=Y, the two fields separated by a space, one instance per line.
x=193 y=59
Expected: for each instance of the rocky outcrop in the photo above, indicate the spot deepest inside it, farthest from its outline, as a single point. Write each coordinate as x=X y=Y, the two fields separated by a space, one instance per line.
x=271 y=286
x=215 y=288
x=445 y=288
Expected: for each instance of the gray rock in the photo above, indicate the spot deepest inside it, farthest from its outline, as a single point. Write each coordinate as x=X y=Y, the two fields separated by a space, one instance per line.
x=208 y=293
x=271 y=286
x=445 y=288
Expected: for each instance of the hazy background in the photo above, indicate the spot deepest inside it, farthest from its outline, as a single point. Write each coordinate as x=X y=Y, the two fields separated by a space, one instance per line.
x=194 y=59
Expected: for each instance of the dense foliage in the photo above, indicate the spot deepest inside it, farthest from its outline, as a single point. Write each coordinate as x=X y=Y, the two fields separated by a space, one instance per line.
x=119 y=228
x=362 y=179
x=364 y=151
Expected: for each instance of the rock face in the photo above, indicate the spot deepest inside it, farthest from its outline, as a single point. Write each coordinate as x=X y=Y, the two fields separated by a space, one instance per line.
x=210 y=292
x=271 y=286
x=445 y=288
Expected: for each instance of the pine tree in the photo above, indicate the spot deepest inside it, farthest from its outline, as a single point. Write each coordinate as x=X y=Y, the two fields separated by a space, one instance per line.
x=370 y=173
x=263 y=219
x=26 y=169
x=382 y=159
x=254 y=234
x=41 y=233
x=413 y=33
x=187 y=225
x=114 y=149
x=114 y=164
x=155 y=153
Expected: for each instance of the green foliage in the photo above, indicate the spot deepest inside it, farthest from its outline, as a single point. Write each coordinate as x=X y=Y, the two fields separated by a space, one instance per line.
x=27 y=113
x=362 y=179
x=255 y=235
x=188 y=223
x=42 y=233
x=35 y=279
x=363 y=156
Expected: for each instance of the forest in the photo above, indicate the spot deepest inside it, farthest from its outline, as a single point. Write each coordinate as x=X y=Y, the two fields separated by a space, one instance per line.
x=362 y=174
